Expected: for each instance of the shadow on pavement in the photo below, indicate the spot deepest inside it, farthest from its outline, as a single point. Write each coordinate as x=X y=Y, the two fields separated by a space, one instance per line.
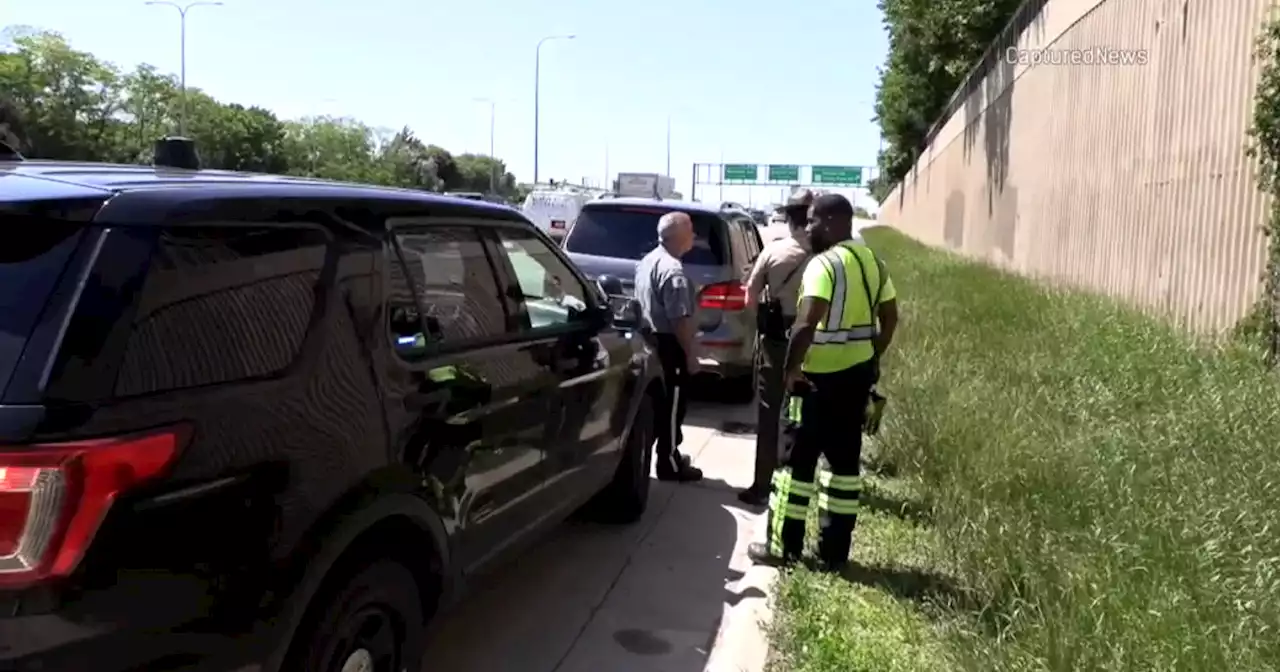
x=711 y=410
x=647 y=596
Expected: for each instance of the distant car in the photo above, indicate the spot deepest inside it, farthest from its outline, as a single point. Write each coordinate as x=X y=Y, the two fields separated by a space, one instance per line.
x=611 y=236
x=253 y=422
x=777 y=218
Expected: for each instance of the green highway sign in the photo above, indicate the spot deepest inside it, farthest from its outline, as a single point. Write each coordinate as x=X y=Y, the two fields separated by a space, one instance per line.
x=845 y=176
x=784 y=173
x=740 y=172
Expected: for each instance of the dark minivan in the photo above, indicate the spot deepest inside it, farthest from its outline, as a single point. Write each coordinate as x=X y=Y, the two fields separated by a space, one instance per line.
x=262 y=423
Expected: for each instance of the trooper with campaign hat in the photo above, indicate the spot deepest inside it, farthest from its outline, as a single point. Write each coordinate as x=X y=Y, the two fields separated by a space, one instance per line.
x=774 y=288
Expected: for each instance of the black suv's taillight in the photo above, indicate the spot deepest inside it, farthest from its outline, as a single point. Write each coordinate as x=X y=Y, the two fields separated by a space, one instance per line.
x=53 y=498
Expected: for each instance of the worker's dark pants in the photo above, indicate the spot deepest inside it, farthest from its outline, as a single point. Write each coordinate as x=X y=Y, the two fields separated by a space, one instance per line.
x=669 y=416
x=829 y=423
x=771 y=357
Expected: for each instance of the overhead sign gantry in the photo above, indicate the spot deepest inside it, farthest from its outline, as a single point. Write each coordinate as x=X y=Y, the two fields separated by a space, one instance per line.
x=778 y=175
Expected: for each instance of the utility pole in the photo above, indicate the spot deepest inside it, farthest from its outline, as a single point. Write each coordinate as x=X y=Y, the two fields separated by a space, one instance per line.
x=182 y=14
x=493 y=162
x=668 y=146
x=537 y=76
x=720 y=179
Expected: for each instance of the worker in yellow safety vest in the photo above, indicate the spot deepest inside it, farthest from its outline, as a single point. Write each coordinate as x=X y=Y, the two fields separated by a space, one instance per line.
x=845 y=322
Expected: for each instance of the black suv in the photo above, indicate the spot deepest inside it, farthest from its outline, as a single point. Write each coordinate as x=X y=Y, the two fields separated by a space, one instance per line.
x=260 y=423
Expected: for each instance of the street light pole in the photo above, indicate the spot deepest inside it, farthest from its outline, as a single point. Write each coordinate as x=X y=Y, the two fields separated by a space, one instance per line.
x=182 y=18
x=537 y=76
x=493 y=162
x=668 y=145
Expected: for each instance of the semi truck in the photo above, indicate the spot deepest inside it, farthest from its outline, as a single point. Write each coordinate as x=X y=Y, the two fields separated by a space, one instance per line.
x=645 y=185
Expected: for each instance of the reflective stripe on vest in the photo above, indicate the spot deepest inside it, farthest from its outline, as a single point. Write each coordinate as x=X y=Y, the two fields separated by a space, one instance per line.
x=834 y=330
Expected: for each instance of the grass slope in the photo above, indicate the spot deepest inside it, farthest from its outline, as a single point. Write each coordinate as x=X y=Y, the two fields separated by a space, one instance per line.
x=1101 y=493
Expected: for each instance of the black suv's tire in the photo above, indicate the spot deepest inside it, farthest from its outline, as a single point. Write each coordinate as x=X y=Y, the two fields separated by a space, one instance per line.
x=376 y=616
x=626 y=497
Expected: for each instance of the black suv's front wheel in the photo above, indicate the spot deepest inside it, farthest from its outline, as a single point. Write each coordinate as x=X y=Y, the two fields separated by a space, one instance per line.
x=373 y=622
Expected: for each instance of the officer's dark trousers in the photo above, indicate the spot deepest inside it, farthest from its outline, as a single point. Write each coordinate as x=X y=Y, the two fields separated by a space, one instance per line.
x=831 y=415
x=770 y=356
x=669 y=416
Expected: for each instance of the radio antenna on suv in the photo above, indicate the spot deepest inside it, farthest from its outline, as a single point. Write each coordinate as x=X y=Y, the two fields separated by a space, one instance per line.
x=176 y=152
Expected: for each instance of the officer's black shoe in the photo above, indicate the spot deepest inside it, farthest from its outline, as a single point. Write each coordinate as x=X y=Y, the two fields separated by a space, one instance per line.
x=753 y=497
x=685 y=474
x=759 y=554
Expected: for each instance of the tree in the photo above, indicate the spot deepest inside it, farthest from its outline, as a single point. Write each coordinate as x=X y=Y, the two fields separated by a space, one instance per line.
x=441 y=161
x=411 y=164
x=477 y=171
x=933 y=44
x=67 y=98
x=59 y=103
x=334 y=149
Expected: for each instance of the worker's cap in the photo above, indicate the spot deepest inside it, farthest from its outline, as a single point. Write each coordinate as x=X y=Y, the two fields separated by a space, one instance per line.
x=800 y=199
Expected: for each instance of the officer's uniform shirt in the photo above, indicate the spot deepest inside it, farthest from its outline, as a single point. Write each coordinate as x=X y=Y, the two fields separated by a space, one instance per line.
x=779 y=259
x=663 y=291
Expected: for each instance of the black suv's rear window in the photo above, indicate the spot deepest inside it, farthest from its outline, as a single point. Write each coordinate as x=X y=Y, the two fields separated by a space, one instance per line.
x=33 y=253
x=631 y=233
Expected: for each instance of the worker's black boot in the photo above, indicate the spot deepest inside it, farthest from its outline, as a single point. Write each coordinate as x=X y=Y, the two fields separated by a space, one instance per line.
x=760 y=554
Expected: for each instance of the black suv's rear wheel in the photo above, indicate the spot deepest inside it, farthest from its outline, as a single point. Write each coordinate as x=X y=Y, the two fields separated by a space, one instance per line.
x=372 y=623
x=627 y=495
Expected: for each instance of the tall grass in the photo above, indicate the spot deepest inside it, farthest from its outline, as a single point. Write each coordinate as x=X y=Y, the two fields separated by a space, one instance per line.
x=1105 y=486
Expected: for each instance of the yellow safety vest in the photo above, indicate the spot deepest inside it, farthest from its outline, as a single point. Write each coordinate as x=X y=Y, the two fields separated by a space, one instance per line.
x=851 y=280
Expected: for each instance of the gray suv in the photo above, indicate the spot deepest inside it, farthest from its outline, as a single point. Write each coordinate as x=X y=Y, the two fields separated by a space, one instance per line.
x=610 y=236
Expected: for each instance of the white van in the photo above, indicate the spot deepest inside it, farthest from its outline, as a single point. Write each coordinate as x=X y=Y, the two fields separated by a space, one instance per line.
x=554 y=211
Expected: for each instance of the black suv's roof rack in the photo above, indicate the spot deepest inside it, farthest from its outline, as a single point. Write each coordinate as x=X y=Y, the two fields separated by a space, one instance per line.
x=9 y=153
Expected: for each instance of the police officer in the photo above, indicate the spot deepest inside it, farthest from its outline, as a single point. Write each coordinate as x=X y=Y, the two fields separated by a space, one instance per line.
x=832 y=364
x=774 y=287
x=667 y=309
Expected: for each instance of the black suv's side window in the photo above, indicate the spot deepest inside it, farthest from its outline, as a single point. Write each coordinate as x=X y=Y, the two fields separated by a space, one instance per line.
x=443 y=290
x=548 y=293
x=222 y=303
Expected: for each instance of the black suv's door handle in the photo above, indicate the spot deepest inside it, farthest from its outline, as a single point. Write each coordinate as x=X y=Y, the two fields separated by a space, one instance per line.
x=421 y=401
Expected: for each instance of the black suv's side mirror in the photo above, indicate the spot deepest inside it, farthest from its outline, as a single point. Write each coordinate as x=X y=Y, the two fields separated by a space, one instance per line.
x=623 y=311
x=609 y=285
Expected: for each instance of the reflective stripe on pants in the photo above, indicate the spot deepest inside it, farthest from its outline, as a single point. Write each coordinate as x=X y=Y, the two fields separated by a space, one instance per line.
x=827 y=422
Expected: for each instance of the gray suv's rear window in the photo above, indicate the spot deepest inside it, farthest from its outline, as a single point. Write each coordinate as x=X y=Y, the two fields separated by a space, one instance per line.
x=631 y=232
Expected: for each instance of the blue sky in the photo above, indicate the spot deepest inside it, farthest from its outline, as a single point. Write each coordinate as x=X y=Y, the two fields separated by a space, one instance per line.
x=750 y=81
